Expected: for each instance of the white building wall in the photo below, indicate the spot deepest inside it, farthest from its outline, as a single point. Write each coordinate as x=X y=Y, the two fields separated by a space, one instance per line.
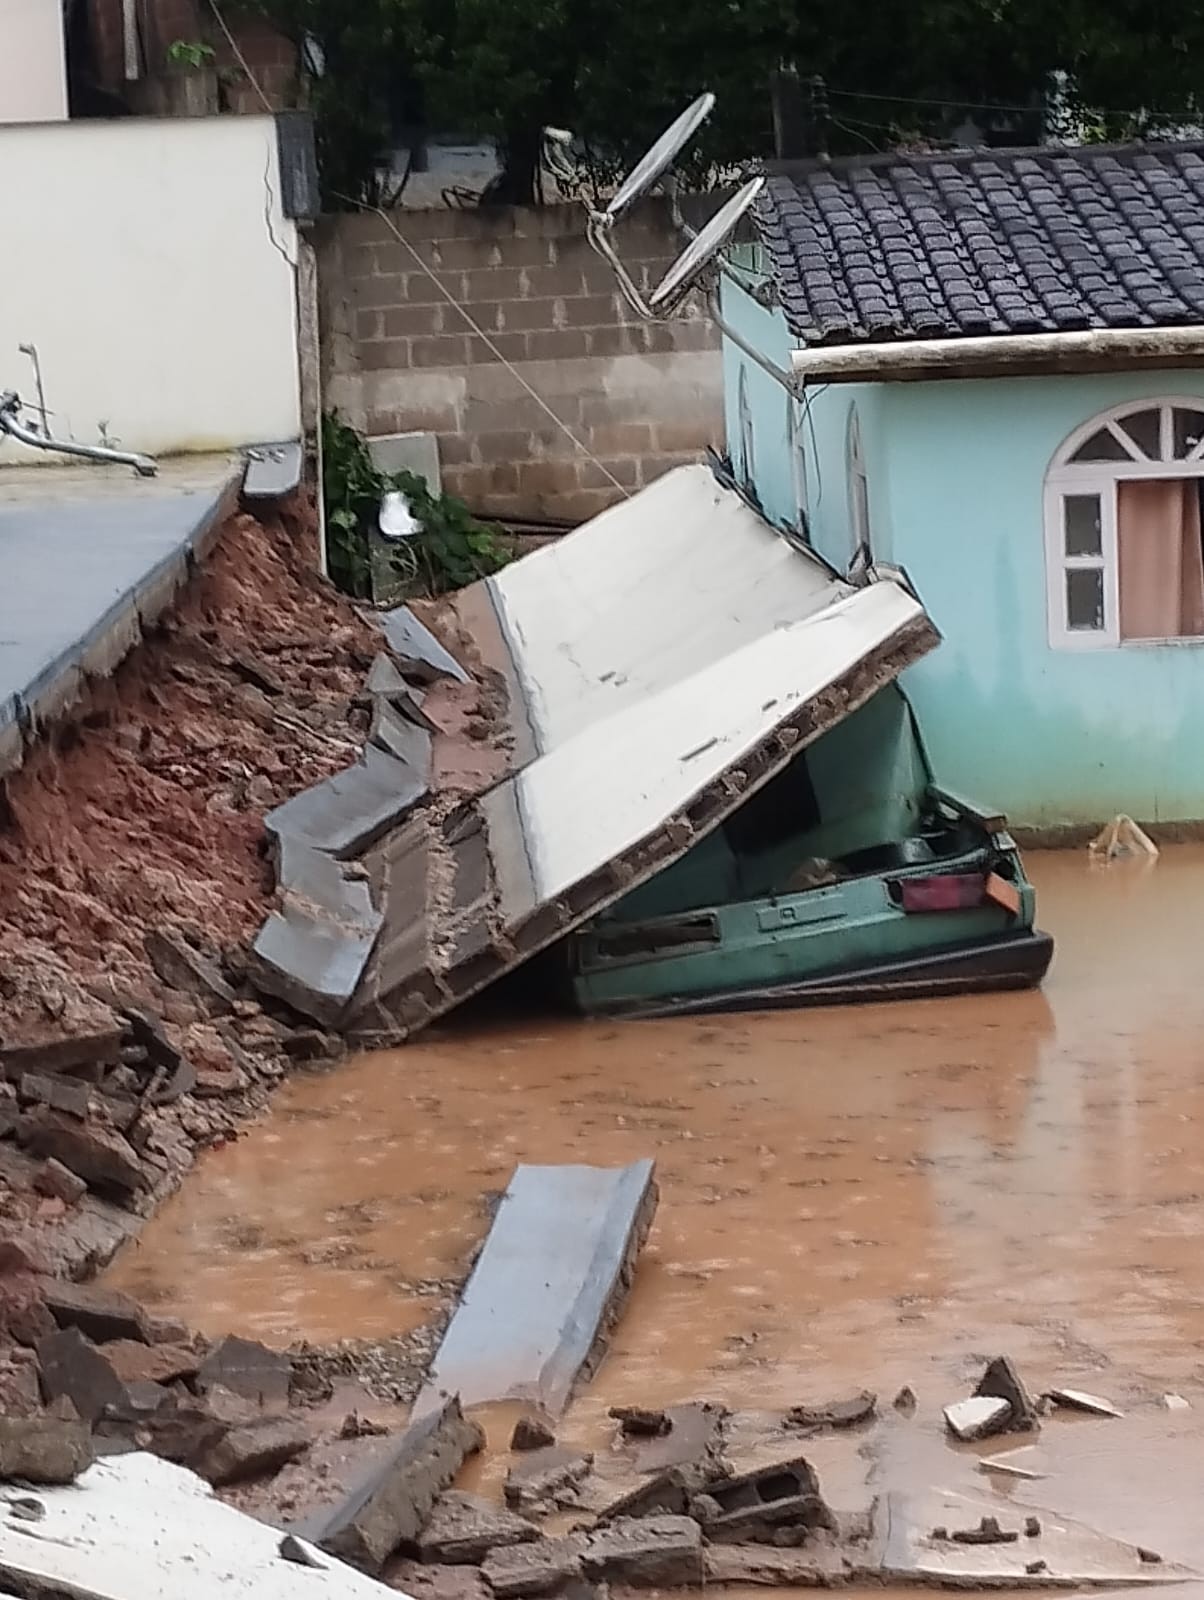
x=152 y=266
x=33 y=63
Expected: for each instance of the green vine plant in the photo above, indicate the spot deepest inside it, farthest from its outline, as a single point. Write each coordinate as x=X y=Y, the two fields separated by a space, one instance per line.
x=451 y=549
x=191 y=53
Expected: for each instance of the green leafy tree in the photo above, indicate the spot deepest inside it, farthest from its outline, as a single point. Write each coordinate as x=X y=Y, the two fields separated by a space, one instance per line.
x=615 y=71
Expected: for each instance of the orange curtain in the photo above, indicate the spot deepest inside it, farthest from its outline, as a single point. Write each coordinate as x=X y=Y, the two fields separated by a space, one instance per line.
x=1159 y=557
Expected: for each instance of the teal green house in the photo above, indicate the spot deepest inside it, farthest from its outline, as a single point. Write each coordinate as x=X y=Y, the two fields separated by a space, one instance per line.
x=986 y=369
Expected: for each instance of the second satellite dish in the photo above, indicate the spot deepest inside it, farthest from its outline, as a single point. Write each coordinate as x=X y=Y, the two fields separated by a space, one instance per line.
x=702 y=250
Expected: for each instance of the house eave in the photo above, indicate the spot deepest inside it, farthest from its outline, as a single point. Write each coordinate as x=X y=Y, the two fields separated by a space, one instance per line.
x=1000 y=356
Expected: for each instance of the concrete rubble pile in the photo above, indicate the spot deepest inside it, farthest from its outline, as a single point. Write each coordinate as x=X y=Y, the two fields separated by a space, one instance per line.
x=137 y=1024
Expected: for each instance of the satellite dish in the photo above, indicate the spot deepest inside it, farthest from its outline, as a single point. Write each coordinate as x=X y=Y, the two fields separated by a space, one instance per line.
x=702 y=249
x=662 y=155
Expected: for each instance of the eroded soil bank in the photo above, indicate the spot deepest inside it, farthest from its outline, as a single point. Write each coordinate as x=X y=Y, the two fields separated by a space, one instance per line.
x=868 y=1197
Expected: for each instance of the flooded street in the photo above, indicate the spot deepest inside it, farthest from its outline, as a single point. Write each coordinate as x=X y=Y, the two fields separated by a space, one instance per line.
x=850 y=1198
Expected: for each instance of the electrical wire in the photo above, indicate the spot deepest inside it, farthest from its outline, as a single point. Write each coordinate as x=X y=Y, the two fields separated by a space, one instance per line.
x=1185 y=115
x=481 y=334
x=241 y=59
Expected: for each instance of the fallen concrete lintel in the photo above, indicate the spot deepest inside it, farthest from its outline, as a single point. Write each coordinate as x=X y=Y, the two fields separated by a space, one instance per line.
x=134 y=1527
x=392 y=1501
x=549 y=1282
x=345 y=814
x=312 y=952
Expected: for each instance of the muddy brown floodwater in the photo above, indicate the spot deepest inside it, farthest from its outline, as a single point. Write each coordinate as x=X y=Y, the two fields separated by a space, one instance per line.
x=850 y=1198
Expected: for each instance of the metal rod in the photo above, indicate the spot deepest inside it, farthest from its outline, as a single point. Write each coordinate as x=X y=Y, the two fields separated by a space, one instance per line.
x=791 y=382
x=9 y=403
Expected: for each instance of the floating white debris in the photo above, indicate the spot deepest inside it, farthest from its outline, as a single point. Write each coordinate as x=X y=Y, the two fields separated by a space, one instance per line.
x=134 y=1527
x=1079 y=1400
x=1176 y=1402
x=976 y=1417
x=1027 y=1462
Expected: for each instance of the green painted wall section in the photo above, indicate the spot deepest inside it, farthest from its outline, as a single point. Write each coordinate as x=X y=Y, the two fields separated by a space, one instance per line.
x=956 y=473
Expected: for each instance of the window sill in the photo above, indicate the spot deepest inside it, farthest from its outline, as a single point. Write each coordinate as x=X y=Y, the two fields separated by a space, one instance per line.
x=1085 y=644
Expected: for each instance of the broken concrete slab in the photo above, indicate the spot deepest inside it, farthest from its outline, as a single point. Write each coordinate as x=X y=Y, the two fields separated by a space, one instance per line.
x=1080 y=1400
x=819 y=1564
x=246 y=1367
x=102 y=1314
x=646 y=1552
x=666 y=1492
x=402 y=737
x=73 y=1366
x=1001 y=1381
x=136 y=1362
x=68 y=1095
x=547 y=1478
x=414 y=643
x=134 y=1527
x=346 y=813
x=59 y=1183
x=541 y=1567
x=182 y=967
x=463 y=1528
x=694 y=1440
x=313 y=951
x=551 y=1279
x=848 y=1413
x=103 y=1158
x=44 y=1449
x=392 y=1501
x=253 y=1449
x=977 y=1417
x=421 y=1582
x=1074 y=1555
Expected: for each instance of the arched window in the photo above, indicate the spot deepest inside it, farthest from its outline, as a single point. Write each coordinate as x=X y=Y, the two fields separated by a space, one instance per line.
x=747 y=452
x=859 y=492
x=1123 y=545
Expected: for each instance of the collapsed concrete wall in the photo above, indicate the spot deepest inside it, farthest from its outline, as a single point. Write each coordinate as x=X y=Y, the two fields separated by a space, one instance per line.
x=398 y=357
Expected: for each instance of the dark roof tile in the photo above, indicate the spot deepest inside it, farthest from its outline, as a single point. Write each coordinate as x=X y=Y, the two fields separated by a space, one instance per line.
x=1002 y=241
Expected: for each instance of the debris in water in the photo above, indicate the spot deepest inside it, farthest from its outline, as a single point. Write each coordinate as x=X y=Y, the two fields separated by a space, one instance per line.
x=391 y=1504
x=1122 y=838
x=1079 y=1400
x=1176 y=1402
x=977 y=1417
x=988 y=1531
x=639 y=1423
x=1022 y=1463
x=1001 y=1381
x=862 y=1407
x=531 y=1433
x=547 y=1286
x=905 y=1401
x=1032 y=1527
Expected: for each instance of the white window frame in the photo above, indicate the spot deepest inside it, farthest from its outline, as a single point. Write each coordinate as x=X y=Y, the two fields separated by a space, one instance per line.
x=1065 y=477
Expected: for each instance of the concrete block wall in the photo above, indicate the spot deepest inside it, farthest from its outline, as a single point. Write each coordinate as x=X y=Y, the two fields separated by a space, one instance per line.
x=397 y=356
